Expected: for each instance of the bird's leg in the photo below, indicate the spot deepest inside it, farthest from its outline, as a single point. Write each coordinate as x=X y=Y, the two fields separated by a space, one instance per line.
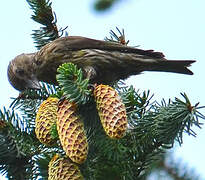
x=90 y=72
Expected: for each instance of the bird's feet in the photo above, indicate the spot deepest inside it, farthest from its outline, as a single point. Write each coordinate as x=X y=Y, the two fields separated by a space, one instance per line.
x=90 y=72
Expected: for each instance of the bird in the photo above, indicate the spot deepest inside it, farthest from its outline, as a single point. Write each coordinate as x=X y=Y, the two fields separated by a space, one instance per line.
x=102 y=62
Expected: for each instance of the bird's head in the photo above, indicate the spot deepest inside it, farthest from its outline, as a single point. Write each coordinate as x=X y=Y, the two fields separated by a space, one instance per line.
x=21 y=72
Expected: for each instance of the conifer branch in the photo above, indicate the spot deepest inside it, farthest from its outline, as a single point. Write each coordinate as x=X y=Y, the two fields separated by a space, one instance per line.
x=15 y=148
x=74 y=87
x=176 y=169
x=44 y=15
x=152 y=129
x=102 y=5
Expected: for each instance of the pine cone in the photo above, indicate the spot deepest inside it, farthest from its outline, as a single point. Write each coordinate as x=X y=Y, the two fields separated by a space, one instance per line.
x=71 y=132
x=111 y=111
x=60 y=168
x=46 y=117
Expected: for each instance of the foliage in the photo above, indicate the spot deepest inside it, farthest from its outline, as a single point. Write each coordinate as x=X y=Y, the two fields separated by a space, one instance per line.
x=175 y=169
x=153 y=127
x=117 y=38
x=43 y=14
x=102 y=5
x=73 y=85
x=150 y=133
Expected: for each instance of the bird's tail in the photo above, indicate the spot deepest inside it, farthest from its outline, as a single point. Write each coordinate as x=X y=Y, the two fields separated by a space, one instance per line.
x=176 y=66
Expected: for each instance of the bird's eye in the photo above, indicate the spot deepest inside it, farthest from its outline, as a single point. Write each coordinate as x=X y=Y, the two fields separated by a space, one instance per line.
x=20 y=72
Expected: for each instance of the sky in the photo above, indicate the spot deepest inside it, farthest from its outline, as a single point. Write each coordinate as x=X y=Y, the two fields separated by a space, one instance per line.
x=176 y=28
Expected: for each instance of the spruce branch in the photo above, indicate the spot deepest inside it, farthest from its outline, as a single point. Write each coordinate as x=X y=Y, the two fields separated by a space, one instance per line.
x=174 y=118
x=41 y=165
x=136 y=103
x=167 y=166
x=102 y=5
x=44 y=15
x=36 y=94
x=153 y=127
x=178 y=171
x=28 y=101
x=70 y=79
x=16 y=146
x=13 y=161
x=117 y=38
x=18 y=130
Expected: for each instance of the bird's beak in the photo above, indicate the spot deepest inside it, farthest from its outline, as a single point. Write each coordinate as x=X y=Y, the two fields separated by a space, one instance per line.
x=33 y=83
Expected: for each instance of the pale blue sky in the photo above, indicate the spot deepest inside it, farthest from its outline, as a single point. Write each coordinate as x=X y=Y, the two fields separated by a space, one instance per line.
x=175 y=27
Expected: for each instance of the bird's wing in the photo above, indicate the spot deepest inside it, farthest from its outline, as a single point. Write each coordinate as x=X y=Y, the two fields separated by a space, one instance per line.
x=77 y=43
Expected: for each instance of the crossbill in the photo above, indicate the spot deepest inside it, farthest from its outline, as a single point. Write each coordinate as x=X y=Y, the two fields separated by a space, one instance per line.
x=101 y=61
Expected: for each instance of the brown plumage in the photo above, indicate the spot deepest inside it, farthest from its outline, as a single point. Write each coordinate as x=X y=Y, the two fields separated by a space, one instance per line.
x=102 y=62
